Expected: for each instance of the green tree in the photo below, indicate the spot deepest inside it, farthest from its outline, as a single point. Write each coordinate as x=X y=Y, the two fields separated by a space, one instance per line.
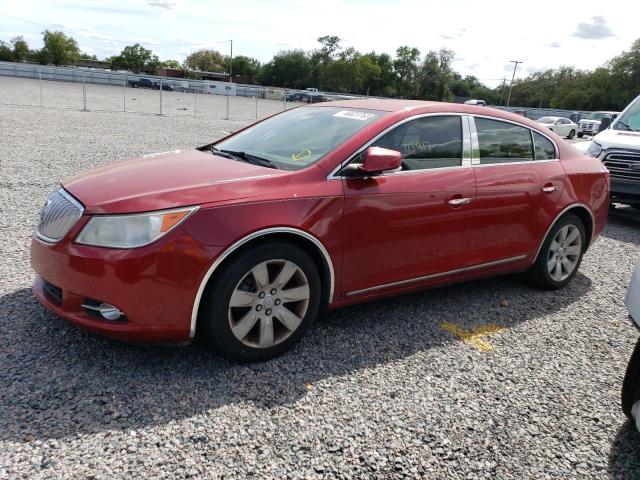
x=207 y=60
x=290 y=69
x=6 y=52
x=385 y=83
x=135 y=58
x=436 y=75
x=58 y=48
x=171 y=64
x=20 y=49
x=407 y=69
x=246 y=66
x=321 y=60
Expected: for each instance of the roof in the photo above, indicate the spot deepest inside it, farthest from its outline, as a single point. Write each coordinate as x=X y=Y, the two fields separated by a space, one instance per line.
x=400 y=107
x=383 y=104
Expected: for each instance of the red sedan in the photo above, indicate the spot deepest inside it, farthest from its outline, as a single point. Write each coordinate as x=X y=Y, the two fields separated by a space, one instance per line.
x=247 y=239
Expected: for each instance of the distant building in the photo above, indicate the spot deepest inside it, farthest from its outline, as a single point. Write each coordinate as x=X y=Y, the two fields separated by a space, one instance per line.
x=87 y=62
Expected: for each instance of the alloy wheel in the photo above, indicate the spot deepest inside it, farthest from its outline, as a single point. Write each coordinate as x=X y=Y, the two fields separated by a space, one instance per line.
x=269 y=303
x=564 y=253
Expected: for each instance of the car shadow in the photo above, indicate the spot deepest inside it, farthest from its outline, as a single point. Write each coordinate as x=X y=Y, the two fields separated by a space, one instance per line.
x=622 y=224
x=624 y=455
x=58 y=381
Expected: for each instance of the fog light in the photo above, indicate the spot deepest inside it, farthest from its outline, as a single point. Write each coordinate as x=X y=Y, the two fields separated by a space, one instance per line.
x=107 y=310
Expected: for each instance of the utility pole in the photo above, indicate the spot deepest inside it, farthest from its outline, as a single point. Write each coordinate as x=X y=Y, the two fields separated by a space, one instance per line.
x=231 y=63
x=515 y=66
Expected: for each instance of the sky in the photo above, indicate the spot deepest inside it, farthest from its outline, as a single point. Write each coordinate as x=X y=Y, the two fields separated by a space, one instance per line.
x=485 y=35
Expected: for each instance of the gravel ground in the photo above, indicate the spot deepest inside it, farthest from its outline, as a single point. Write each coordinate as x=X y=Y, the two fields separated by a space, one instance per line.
x=374 y=391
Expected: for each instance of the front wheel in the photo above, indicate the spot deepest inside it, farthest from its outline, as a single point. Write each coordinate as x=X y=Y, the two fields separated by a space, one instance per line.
x=262 y=303
x=561 y=254
x=572 y=134
x=631 y=384
x=580 y=134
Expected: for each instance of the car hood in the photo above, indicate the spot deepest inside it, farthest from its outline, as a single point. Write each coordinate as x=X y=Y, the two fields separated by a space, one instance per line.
x=618 y=139
x=169 y=180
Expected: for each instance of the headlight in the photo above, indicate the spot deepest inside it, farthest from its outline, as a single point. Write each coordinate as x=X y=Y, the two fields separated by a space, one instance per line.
x=594 y=149
x=130 y=231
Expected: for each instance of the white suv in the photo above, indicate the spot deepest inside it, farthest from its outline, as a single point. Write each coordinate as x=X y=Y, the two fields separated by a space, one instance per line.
x=618 y=147
x=591 y=124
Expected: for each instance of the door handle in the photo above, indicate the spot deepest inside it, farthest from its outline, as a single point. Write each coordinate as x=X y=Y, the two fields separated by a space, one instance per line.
x=457 y=202
x=549 y=188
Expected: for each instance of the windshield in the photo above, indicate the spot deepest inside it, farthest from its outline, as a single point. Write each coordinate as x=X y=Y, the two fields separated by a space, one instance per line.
x=596 y=116
x=300 y=137
x=546 y=120
x=630 y=118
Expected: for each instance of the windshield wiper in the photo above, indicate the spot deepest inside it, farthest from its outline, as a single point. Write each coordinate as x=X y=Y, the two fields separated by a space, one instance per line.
x=620 y=122
x=246 y=157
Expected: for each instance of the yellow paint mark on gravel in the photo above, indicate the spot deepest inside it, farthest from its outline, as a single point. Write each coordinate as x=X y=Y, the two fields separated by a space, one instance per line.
x=474 y=335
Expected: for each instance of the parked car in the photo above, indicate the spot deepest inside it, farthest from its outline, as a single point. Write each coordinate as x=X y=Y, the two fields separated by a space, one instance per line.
x=247 y=239
x=631 y=384
x=142 y=83
x=148 y=83
x=562 y=126
x=476 y=102
x=591 y=124
x=618 y=147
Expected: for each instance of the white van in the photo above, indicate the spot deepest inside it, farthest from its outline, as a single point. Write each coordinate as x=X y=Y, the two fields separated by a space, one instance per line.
x=618 y=147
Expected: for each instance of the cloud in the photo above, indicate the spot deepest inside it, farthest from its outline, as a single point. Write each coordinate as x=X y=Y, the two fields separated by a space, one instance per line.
x=555 y=45
x=166 y=4
x=596 y=30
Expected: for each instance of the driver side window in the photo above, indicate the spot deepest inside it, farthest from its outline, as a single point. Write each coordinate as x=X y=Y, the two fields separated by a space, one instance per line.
x=427 y=142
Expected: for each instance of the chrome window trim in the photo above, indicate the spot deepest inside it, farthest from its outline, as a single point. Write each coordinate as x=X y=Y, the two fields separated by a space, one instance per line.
x=75 y=203
x=465 y=161
x=555 y=220
x=229 y=250
x=476 y=143
x=438 y=275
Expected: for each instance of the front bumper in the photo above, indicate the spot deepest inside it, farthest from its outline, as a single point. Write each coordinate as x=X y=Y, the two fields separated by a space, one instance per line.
x=155 y=286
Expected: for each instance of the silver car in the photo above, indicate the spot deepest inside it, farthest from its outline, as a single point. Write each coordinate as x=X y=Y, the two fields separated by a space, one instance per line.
x=631 y=384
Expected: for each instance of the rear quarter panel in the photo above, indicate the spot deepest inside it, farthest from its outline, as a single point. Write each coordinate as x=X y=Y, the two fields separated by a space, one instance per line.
x=587 y=182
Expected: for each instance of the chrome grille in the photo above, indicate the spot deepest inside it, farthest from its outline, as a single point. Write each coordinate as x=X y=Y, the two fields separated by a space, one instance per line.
x=623 y=165
x=59 y=214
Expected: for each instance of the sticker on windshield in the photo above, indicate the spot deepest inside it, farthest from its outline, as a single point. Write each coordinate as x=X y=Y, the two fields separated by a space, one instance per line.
x=354 y=114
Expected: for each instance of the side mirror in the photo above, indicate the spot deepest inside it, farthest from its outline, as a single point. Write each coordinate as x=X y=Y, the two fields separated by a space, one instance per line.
x=559 y=122
x=379 y=160
x=604 y=123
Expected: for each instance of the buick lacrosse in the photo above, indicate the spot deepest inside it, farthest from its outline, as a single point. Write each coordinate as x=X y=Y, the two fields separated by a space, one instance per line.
x=247 y=239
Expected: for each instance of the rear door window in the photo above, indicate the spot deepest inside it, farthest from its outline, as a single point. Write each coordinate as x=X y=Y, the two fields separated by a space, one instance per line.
x=502 y=142
x=544 y=148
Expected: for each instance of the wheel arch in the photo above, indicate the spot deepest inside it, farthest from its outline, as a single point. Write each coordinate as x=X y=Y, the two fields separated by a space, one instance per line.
x=583 y=212
x=305 y=240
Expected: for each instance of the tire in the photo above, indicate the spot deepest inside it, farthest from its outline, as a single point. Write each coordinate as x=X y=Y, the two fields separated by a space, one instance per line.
x=631 y=384
x=580 y=134
x=260 y=332
x=549 y=274
x=572 y=134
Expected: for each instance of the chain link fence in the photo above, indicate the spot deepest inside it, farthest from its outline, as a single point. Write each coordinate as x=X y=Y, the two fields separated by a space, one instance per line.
x=96 y=90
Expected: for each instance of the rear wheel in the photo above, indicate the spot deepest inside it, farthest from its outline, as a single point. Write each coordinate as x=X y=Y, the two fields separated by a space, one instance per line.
x=631 y=384
x=572 y=134
x=262 y=302
x=560 y=255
